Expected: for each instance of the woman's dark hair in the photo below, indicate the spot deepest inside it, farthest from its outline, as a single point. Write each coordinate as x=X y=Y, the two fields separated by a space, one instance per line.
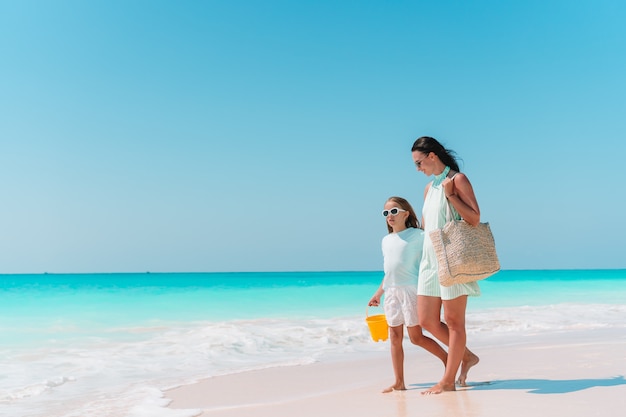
x=411 y=220
x=426 y=145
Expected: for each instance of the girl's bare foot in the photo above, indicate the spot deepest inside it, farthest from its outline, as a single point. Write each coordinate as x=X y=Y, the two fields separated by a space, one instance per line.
x=396 y=387
x=439 y=388
x=466 y=364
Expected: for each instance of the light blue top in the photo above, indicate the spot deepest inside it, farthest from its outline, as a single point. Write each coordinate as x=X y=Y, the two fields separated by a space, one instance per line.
x=402 y=253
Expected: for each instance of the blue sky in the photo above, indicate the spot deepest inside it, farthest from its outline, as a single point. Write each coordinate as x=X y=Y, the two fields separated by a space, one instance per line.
x=266 y=136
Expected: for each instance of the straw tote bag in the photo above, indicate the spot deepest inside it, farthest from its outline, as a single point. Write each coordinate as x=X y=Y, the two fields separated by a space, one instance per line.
x=465 y=253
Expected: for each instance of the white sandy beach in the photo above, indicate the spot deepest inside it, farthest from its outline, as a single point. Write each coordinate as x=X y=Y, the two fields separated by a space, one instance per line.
x=577 y=373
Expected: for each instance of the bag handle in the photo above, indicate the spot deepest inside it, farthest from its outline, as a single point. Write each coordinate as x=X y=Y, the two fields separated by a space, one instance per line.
x=449 y=216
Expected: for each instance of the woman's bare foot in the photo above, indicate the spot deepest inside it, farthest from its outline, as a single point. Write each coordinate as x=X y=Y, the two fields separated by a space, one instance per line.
x=466 y=364
x=439 y=388
x=396 y=387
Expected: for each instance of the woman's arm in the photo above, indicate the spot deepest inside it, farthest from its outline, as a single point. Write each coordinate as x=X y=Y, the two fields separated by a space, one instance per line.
x=461 y=195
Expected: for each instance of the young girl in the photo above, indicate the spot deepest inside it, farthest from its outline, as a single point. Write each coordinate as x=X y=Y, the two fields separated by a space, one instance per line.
x=402 y=252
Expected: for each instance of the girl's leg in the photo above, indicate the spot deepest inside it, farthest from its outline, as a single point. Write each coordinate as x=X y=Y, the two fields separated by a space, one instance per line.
x=418 y=338
x=396 y=334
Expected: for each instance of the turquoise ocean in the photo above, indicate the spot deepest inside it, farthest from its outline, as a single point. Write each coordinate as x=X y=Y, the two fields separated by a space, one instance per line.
x=110 y=344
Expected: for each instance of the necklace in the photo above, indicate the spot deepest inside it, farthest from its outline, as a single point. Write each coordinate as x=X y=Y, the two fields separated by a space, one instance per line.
x=440 y=177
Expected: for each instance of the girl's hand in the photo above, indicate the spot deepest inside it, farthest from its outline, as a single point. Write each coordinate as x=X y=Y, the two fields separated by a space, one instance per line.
x=375 y=301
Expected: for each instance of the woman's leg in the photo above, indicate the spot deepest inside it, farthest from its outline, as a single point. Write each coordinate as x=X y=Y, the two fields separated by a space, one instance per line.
x=418 y=338
x=454 y=314
x=396 y=335
x=429 y=309
x=429 y=312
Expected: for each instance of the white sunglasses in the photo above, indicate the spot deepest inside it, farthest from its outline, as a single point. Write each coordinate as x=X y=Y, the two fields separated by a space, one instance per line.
x=392 y=211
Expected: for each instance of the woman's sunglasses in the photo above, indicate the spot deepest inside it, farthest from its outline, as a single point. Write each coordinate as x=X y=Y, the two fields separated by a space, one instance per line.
x=392 y=211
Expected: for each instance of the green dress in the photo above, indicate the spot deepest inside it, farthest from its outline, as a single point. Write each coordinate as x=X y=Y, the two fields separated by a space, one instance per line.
x=435 y=212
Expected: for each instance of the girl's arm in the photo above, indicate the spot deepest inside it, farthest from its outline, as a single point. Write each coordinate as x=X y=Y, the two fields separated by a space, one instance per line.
x=375 y=300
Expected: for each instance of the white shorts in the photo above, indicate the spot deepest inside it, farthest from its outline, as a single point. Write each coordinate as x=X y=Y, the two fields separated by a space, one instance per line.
x=401 y=306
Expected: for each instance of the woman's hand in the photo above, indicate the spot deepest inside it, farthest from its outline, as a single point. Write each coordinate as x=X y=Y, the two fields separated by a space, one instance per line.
x=448 y=187
x=460 y=194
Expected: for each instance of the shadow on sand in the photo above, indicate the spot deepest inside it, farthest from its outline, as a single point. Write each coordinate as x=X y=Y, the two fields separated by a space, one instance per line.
x=547 y=386
x=538 y=386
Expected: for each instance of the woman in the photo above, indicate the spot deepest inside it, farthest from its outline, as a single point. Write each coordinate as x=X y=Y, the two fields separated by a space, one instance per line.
x=450 y=190
x=402 y=251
